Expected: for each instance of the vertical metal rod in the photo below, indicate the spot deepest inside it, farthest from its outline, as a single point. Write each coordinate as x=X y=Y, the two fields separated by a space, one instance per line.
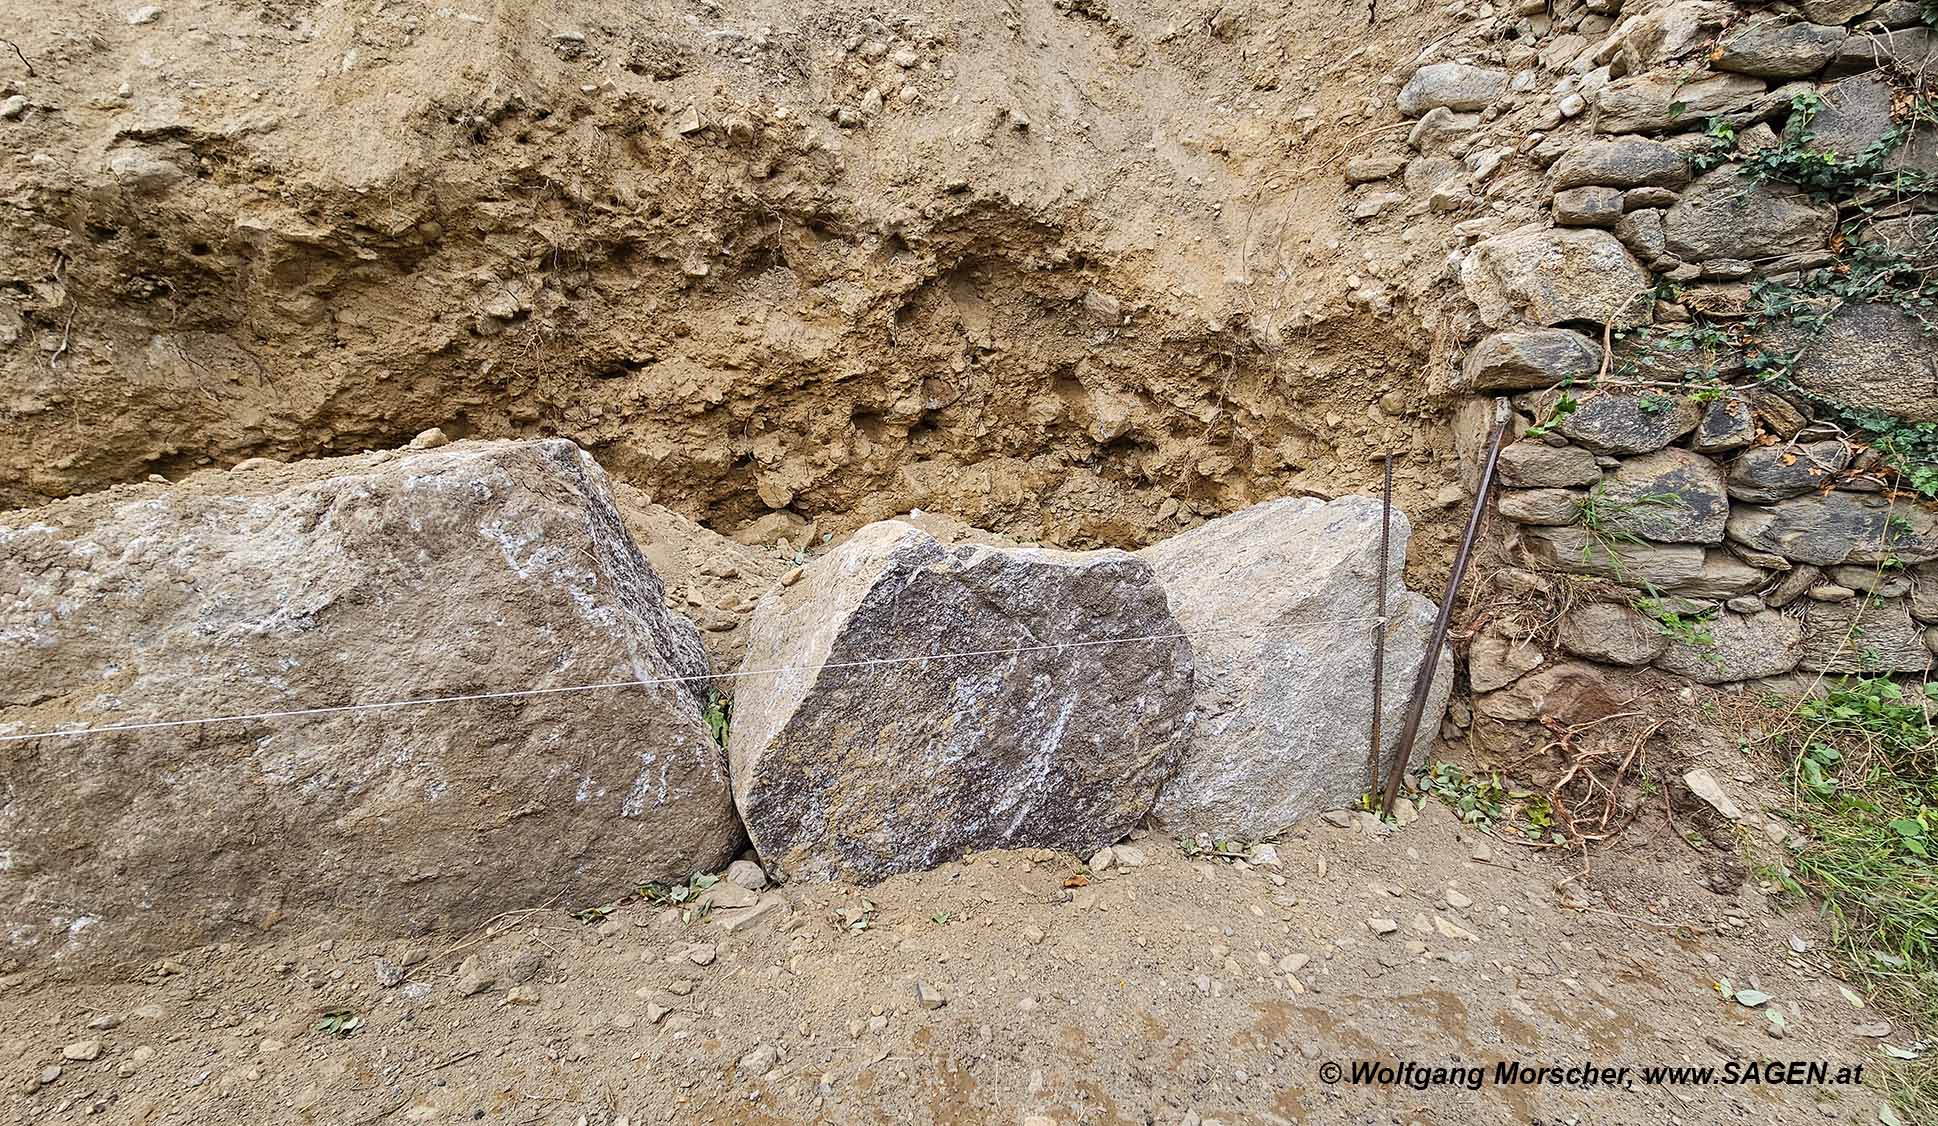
x=1379 y=627
x=1430 y=661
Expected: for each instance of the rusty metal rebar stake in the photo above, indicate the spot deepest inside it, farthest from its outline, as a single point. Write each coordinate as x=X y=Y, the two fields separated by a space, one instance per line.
x=1379 y=626
x=1430 y=660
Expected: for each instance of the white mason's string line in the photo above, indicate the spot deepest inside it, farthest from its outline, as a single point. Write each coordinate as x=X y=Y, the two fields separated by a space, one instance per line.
x=527 y=693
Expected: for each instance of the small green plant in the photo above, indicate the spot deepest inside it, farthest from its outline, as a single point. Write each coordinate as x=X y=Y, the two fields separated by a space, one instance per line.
x=1719 y=146
x=1563 y=407
x=1690 y=628
x=941 y=918
x=718 y=715
x=1824 y=174
x=339 y=1022
x=1476 y=801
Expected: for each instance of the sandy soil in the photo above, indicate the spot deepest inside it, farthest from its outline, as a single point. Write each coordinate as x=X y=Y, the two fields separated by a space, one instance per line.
x=1181 y=990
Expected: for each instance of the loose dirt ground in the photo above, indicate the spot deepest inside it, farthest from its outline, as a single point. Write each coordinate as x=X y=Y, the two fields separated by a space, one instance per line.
x=1182 y=990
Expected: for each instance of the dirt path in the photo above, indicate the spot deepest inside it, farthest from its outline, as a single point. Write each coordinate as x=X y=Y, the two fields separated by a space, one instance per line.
x=1180 y=990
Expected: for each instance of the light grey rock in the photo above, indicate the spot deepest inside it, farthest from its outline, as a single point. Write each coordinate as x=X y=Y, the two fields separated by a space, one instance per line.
x=1738 y=647
x=1525 y=359
x=1910 y=50
x=1541 y=506
x=1767 y=48
x=1536 y=465
x=1670 y=32
x=1495 y=662
x=1552 y=276
x=1842 y=527
x=1669 y=496
x=1863 y=636
x=1276 y=741
x=1728 y=213
x=1620 y=422
x=1777 y=413
x=864 y=772
x=1573 y=550
x=1769 y=474
x=1924 y=593
x=1366 y=169
x=1794 y=584
x=1621 y=162
x=477 y=567
x=1726 y=424
x=1872 y=357
x=1611 y=633
x=1587 y=207
x=1644 y=234
x=1722 y=575
x=1835 y=12
x=1660 y=100
x=746 y=874
x=1437 y=129
x=1883 y=582
x=1454 y=86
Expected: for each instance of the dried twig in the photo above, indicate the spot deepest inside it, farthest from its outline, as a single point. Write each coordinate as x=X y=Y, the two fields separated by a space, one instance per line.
x=15 y=47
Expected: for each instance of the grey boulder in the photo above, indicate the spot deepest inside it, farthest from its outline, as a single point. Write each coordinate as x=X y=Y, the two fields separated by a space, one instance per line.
x=1768 y=49
x=1839 y=527
x=1551 y=276
x=1769 y=474
x=1525 y=359
x=1863 y=636
x=1278 y=598
x=905 y=703
x=1621 y=422
x=1454 y=86
x=473 y=568
x=1621 y=162
x=1610 y=633
x=1730 y=214
x=1732 y=647
x=1661 y=100
x=1873 y=357
x=1537 y=465
x=1670 y=496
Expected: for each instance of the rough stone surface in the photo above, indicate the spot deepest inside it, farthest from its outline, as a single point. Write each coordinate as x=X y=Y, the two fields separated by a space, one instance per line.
x=1367 y=169
x=1768 y=49
x=1276 y=740
x=1643 y=233
x=1536 y=465
x=1623 y=162
x=1670 y=32
x=1494 y=661
x=1722 y=575
x=1574 y=551
x=1740 y=647
x=1552 y=276
x=1659 y=100
x=1588 y=207
x=1670 y=496
x=863 y=772
x=1541 y=506
x=1729 y=214
x=1726 y=424
x=1924 y=593
x=1872 y=357
x=1909 y=48
x=285 y=587
x=1567 y=692
x=1769 y=474
x=1619 y=422
x=1839 y=528
x=1525 y=359
x=1454 y=86
x=1611 y=633
x=1867 y=636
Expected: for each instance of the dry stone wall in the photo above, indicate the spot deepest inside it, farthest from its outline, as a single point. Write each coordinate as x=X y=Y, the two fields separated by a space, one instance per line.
x=1717 y=343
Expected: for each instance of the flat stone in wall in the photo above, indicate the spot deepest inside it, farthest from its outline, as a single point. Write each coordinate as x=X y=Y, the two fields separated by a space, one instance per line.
x=1669 y=496
x=1738 y=647
x=1841 y=527
x=1772 y=473
x=1863 y=636
x=1610 y=633
x=1872 y=357
x=1617 y=422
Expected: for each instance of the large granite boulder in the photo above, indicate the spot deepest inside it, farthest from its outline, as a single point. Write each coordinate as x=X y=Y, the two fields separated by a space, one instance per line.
x=496 y=567
x=1838 y=527
x=1279 y=599
x=1553 y=276
x=905 y=703
x=1729 y=213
